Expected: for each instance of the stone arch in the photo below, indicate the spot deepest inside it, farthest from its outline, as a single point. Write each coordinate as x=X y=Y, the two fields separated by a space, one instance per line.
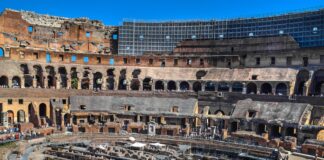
x=51 y=79
x=11 y=117
x=111 y=79
x=159 y=85
x=147 y=84
x=135 y=84
x=39 y=76
x=42 y=110
x=266 y=88
x=21 y=116
x=85 y=81
x=281 y=89
x=237 y=87
x=196 y=86
x=219 y=113
x=251 y=88
x=1 y=52
x=16 y=82
x=223 y=87
x=24 y=68
x=63 y=76
x=172 y=86
x=74 y=78
x=97 y=81
x=317 y=84
x=210 y=86
x=4 y=82
x=122 y=84
x=301 y=78
x=184 y=86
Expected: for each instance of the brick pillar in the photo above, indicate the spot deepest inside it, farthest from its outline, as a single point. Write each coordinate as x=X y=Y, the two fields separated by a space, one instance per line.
x=9 y=82
x=45 y=81
x=79 y=80
x=35 y=82
x=22 y=81
x=165 y=83
x=141 y=85
x=58 y=81
x=104 y=83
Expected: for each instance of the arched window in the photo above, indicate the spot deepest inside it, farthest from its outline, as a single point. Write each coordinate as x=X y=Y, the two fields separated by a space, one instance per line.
x=42 y=110
x=237 y=87
x=172 y=86
x=251 y=88
x=159 y=85
x=184 y=86
x=196 y=86
x=266 y=88
x=210 y=86
x=281 y=89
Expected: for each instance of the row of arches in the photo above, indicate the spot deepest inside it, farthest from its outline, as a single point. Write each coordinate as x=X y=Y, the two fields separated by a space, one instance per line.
x=4 y=82
x=309 y=83
x=21 y=115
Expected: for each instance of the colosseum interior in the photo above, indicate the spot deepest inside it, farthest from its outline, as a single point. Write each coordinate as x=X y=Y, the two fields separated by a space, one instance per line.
x=69 y=77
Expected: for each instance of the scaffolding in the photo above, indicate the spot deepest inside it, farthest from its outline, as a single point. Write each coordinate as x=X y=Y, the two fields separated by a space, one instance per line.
x=138 y=37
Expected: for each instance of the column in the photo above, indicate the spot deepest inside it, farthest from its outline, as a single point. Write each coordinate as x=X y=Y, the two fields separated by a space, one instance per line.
x=244 y=88
x=45 y=81
x=22 y=82
x=35 y=82
x=58 y=81
x=79 y=81
x=9 y=82
x=203 y=84
x=104 y=83
x=141 y=84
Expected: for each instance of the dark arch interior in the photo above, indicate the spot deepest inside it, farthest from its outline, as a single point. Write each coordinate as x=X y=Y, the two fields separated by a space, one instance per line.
x=237 y=87
x=4 y=81
x=223 y=87
x=97 y=80
x=317 y=85
x=172 y=86
x=301 y=79
x=16 y=82
x=147 y=84
x=122 y=85
x=266 y=88
x=135 y=84
x=42 y=110
x=196 y=86
x=184 y=86
x=159 y=85
x=210 y=86
x=251 y=88
x=63 y=76
x=281 y=89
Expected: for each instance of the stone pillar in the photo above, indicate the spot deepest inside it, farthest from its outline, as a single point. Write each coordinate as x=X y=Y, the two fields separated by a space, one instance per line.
x=104 y=83
x=79 y=80
x=178 y=85
x=153 y=85
x=244 y=88
x=22 y=82
x=68 y=81
x=90 y=81
x=203 y=84
x=35 y=82
x=165 y=83
x=45 y=81
x=190 y=86
x=230 y=88
x=141 y=84
x=9 y=82
x=58 y=81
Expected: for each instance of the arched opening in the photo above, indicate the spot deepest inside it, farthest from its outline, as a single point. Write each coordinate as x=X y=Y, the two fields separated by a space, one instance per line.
x=1 y=53
x=63 y=76
x=4 y=82
x=301 y=78
x=317 y=85
x=58 y=116
x=159 y=85
x=251 y=88
x=237 y=87
x=147 y=84
x=24 y=68
x=196 y=86
x=234 y=126
x=184 y=86
x=67 y=118
x=42 y=110
x=266 y=88
x=85 y=81
x=261 y=128
x=281 y=89
x=223 y=87
x=97 y=81
x=172 y=86
x=275 y=131
x=16 y=83
x=21 y=118
x=28 y=81
x=111 y=79
x=74 y=78
x=51 y=80
x=11 y=117
x=91 y=119
x=122 y=85
x=135 y=84
x=219 y=113
x=210 y=86
x=39 y=76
